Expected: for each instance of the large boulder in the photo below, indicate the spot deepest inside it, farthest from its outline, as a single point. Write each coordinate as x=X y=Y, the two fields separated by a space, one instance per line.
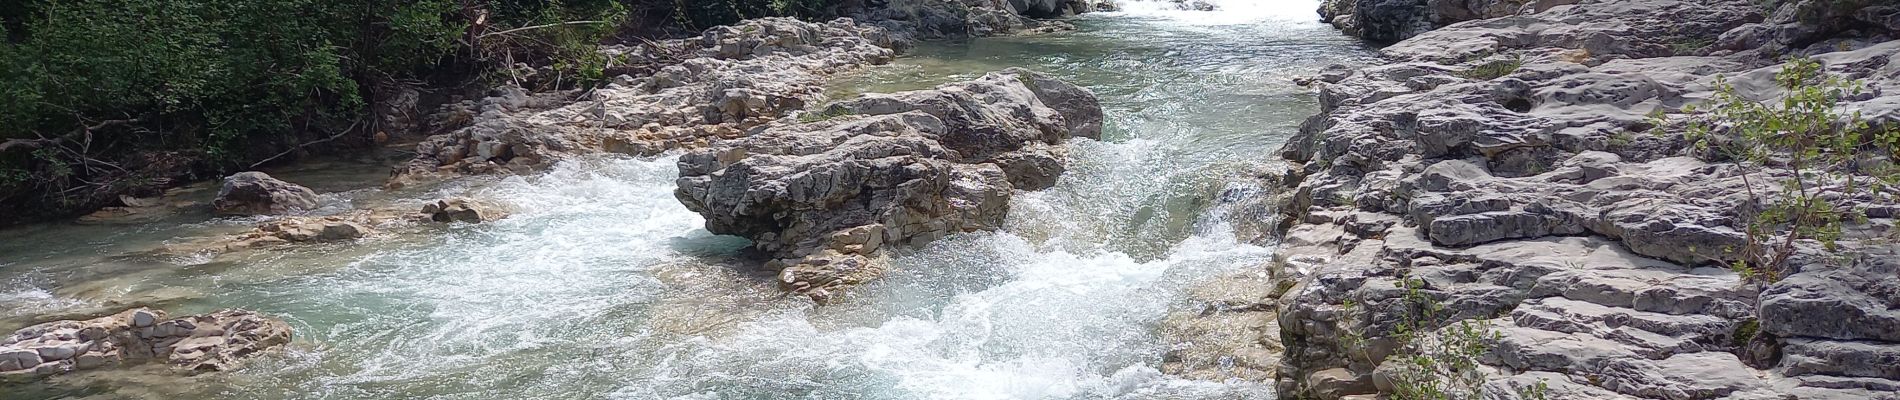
x=196 y=343
x=251 y=193
x=886 y=169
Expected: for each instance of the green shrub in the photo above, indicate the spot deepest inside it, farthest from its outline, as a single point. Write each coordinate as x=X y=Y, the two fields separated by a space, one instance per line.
x=1433 y=363
x=1826 y=154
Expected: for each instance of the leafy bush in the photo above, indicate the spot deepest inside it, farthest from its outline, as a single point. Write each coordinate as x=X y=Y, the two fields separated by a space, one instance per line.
x=1434 y=363
x=1828 y=156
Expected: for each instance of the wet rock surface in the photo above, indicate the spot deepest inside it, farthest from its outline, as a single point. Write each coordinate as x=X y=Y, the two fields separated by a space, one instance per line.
x=1395 y=20
x=823 y=197
x=1508 y=170
x=197 y=343
x=252 y=193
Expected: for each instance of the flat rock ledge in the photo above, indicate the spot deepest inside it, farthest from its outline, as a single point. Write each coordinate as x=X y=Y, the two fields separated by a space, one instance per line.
x=1508 y=170
x=342 y=227
x=718 y=86
x=196 y=343
x=824 y=196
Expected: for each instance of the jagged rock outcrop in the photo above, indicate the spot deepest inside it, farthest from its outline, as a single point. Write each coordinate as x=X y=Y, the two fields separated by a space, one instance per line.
x=1508 y=170
x=735 y=78
x=251 y=193
x=823 y=197
x=195 y=343
x=941 y=19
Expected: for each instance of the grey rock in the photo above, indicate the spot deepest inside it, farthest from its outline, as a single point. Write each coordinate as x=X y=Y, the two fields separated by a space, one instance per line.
x=1864 y=359
x=249 y=193
x=1850 y=302
x=198 y=343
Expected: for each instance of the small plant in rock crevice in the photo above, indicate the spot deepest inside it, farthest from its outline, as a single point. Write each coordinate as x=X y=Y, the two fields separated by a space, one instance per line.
x=1492 y=69
x=1808 y=168
x=1433 y=364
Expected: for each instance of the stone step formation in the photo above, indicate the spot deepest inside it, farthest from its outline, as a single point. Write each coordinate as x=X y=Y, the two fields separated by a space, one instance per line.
x=1509 y=171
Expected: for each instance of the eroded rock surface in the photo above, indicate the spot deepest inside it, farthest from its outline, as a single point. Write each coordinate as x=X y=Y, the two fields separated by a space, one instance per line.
x=886 y=169
x=1508 y=170
x=250 y=193
x=196 y=343
x=734 y=78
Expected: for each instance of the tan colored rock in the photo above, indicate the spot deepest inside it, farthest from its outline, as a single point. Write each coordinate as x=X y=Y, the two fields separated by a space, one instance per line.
x=197 y=343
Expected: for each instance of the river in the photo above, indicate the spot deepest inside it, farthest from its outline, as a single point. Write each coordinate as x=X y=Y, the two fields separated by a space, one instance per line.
x=601 y=285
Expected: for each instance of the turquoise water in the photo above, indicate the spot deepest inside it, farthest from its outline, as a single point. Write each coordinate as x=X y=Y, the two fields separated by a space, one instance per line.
x=601 y=285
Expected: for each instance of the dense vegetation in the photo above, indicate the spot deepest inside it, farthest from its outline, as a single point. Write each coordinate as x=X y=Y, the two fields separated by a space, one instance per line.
x=101 y=98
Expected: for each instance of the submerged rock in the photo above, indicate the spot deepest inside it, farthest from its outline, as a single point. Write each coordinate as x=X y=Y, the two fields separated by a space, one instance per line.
x=196 y=343
x=823 y=197
x=461 y=210
x=250 y=193
x=338 y=228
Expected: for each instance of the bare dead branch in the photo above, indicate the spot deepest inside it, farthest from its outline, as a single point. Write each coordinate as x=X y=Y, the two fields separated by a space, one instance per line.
x=339 y=134
x=526 y=28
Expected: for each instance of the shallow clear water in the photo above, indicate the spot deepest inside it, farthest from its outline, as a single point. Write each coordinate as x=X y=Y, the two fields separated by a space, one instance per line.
x=602 y=285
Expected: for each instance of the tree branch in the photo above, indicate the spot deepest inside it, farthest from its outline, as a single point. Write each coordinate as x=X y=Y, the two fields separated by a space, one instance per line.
x=485 y=35
x=339 y=134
